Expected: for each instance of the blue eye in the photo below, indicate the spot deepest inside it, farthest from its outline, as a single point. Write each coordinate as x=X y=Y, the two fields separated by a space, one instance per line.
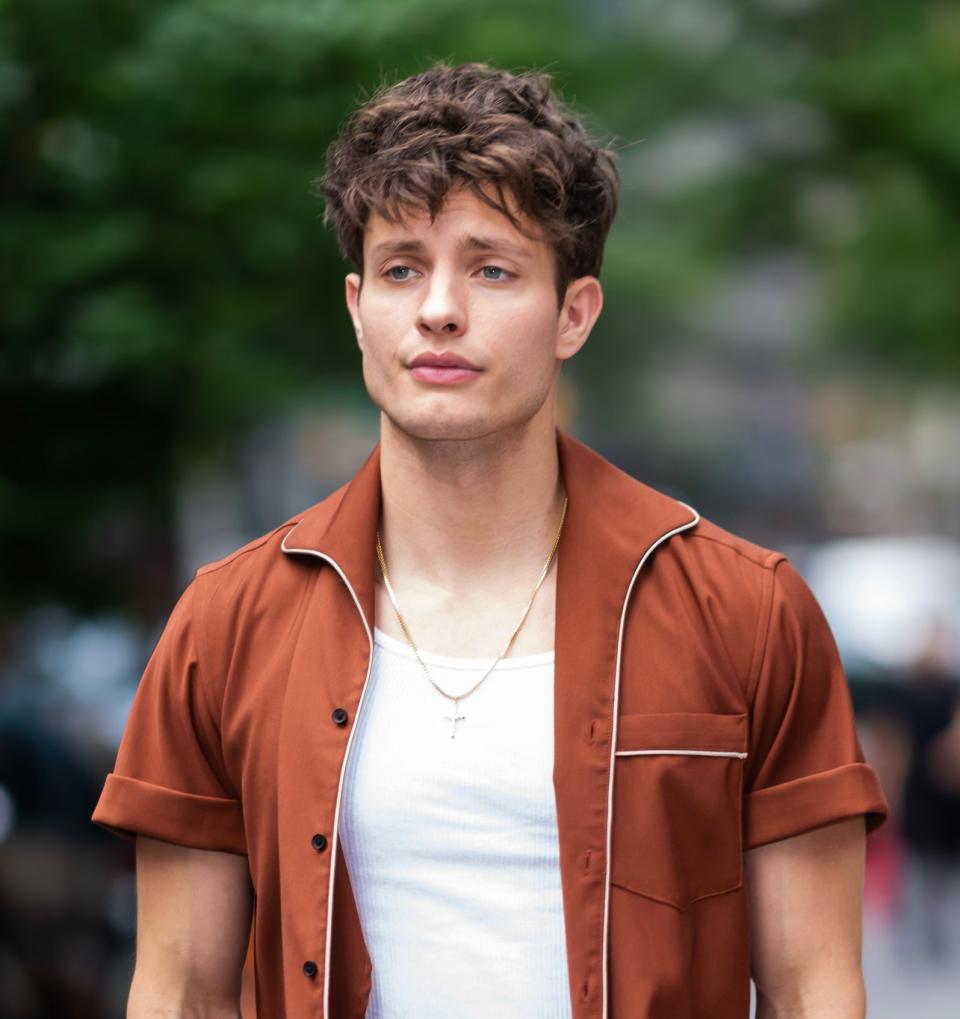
x=399 y=268
x=494 y=268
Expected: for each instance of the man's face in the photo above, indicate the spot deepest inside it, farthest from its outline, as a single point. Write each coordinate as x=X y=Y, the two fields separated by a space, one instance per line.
x=468 y=286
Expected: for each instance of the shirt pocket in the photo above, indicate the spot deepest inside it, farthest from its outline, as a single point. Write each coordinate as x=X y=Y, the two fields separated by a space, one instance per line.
x=677 y=805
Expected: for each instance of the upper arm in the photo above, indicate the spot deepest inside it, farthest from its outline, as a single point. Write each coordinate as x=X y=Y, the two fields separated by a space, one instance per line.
x=172 y=790
x=805 y=767
x=193 y=923
x=810 y=798
x=805 y=898
x=171 y=780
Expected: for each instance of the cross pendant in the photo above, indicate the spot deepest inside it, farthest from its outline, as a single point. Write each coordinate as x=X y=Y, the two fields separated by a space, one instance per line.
x=454 y=718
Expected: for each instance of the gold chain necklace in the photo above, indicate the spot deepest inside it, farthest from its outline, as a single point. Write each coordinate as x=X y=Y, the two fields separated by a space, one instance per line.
x=454 y=718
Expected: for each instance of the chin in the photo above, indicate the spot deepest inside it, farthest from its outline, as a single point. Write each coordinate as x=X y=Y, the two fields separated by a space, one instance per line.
x=458 y=420
x=462 y=428
x=449 y=427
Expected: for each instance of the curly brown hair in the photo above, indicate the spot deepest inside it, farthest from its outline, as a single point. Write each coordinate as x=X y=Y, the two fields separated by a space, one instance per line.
x=505 y=136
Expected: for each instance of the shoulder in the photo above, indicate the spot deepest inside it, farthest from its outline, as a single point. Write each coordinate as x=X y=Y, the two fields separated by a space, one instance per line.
x=716 y=547
x=746 y=567
x=729 y=586
x=255 y=553
x=749 y=588
x=726 y=561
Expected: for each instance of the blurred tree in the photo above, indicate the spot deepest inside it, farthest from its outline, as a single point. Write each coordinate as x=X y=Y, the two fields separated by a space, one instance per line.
x=893 y=95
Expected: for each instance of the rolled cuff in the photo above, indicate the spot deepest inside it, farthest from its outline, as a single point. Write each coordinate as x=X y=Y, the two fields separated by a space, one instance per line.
x=813 y=801
x=131 y=807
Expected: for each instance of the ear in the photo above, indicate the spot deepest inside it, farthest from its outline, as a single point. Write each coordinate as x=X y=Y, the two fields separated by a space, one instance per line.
x=581 y=308
x=352 y=284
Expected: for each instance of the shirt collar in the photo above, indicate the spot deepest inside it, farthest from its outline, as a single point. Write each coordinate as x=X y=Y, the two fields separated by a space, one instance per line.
x=612 y=518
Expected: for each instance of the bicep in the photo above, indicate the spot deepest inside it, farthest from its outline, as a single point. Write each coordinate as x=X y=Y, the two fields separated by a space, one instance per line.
x=193 y=924
x=805 y=896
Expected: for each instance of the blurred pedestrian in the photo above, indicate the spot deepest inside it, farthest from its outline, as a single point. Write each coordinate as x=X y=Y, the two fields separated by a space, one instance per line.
x=927 y=702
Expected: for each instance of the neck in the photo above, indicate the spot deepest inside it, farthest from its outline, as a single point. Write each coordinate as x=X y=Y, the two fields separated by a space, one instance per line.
x=459 y=513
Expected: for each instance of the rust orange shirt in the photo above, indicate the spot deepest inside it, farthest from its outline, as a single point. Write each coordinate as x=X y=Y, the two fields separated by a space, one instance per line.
x=700 y=710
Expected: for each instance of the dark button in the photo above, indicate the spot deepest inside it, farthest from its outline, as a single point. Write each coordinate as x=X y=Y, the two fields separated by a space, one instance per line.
x=319 y=842
x=310 y=968
x=339 y=716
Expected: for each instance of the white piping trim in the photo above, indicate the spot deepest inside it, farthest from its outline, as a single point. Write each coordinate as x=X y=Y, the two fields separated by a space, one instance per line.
x=613 y=744
x=346 y=752
x=686 y=753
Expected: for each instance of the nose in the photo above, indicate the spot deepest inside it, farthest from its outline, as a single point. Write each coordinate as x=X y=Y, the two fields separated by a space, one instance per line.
x=442 y=312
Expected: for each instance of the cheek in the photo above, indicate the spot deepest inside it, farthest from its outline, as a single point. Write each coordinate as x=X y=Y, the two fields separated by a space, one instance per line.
x=529 y=339
x=380 y=323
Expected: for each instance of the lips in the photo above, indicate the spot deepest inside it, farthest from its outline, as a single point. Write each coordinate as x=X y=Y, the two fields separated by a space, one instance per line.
x=444 y=359
x=444 y=368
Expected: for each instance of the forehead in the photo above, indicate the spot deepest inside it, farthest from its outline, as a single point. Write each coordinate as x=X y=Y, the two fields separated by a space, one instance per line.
x=464 y=220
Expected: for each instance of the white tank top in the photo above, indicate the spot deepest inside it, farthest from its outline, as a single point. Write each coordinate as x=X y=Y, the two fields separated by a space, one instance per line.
x=451 y=844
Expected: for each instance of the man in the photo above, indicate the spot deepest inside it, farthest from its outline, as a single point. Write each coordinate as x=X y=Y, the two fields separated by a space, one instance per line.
x=494 y=728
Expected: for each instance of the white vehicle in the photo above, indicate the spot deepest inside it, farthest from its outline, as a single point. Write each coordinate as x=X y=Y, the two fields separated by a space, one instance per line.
x=889 y=600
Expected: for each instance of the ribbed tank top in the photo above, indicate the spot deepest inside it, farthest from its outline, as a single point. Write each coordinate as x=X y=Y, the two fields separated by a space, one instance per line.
x=451 y=844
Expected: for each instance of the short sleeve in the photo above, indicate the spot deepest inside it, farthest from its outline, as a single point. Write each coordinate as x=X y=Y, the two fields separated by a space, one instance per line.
x=805 y=767
x=169 y=781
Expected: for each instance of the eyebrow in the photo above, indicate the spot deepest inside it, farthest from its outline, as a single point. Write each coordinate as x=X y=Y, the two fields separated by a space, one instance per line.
x=469 y=242
x=473 y=243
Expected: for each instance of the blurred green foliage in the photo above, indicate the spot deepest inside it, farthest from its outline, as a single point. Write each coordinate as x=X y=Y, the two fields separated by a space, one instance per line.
x=166 y=280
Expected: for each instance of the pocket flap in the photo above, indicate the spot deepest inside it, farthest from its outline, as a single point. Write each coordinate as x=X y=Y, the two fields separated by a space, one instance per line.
x=682 y=730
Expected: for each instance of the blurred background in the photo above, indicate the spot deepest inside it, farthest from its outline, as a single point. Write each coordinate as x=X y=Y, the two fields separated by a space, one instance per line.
x=780 y=347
